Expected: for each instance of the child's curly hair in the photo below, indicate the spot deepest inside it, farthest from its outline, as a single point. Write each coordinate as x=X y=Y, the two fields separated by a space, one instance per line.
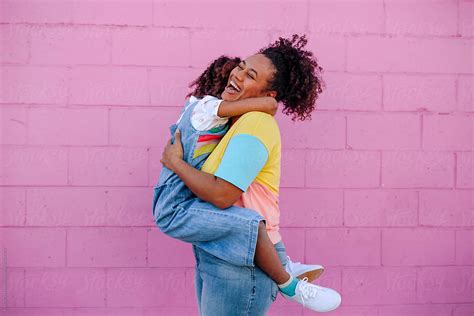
x=297 y=79
x=214 y=79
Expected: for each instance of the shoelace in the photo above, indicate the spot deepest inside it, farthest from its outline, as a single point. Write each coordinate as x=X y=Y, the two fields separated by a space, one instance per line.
x=307 y=290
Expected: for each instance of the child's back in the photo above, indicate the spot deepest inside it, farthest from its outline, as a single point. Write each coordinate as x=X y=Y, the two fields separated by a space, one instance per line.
x=198 y=142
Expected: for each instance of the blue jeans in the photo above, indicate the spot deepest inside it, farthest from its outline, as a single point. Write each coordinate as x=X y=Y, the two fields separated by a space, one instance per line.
x=230 y=234
x=226 y=289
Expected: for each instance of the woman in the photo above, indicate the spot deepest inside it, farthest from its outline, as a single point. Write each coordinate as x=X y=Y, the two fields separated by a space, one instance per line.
x=286 y=72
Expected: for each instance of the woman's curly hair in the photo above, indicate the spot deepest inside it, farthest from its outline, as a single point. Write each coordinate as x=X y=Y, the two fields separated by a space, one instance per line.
x=214 y=79
x=297 y=79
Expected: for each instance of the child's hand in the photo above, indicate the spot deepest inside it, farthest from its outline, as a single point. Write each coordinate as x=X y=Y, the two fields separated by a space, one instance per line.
x=172 y=152
x=272 y=106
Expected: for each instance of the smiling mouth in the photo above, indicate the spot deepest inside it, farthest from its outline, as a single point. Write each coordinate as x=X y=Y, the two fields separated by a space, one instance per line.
x=233 y=86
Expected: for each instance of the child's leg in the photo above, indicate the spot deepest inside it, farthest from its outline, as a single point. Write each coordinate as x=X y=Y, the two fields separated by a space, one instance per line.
x=237 y=235
x=267 y=259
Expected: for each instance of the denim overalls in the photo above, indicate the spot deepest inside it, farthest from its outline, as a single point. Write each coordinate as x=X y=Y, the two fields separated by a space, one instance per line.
x=223 y=240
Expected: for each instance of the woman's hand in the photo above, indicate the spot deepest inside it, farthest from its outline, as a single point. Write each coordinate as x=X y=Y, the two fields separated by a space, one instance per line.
x=172 y=152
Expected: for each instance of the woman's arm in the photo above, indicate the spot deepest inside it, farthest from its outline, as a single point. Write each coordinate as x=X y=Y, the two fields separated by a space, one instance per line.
x=239 y=107
x=204 y=185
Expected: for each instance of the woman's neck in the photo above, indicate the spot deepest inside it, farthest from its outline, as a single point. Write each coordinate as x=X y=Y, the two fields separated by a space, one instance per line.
x=234 y=119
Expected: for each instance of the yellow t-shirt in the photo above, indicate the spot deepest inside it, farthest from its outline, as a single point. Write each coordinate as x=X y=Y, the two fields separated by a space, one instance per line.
x=249 y=156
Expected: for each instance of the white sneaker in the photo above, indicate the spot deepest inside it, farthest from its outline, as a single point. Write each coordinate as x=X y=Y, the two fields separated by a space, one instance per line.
x=315 y=297
x=300 y=271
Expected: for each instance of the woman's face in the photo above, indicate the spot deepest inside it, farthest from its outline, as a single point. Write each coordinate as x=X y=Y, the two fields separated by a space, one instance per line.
x=249 y=79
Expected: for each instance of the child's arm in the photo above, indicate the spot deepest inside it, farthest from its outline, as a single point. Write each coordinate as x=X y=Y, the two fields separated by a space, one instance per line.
x=239 y=107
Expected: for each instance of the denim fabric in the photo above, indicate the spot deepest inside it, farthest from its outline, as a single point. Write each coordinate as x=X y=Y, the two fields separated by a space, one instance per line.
x=229 y=234
x=225 y=289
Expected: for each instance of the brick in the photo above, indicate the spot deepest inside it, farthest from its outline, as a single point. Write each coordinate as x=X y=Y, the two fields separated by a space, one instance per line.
x=350 y=310
x=106 y=247
x=169 y=311
x=190 y=294
x=383 y=131
x=113 y=12
x=425 y=18
x=465 y=92
x=109 y=85
x=419 y=93
x=13 y=206
x=167 y=252
x=417 y=247
x=377 y=208
x=69 y=45
x=343 y=247
x=14 y=43
x=292 y=168
x=337 y=169
x=34 y=166
x=242 y=44
x=30 y=11
x=444 y=284
x=102 y=311
x=38 y=311
x=346 y=91
x=412 y=169
x=463 y=310
x=14 y=125
x=447 y=208
x=67 y=126
x=264 y=14
x=464 y=170
x=145 y=287
x=379 y=285
x=129 y=207
x=150 y=46
x=65 y=288
x=448 y=132
x=310 y=207
x=30 y=84
x=155 y=154
x=447 y=55
x=329 y=51
x=323 y=130
x=465 y=247
x=416 y=310
x=282 y=311
x=169 y=86
x=141 y=126
x=293 y=239
x=108 y=166
x=46 y=245
x=66 y=206
x=466 y=15
x=13 y=287
x=346 y=17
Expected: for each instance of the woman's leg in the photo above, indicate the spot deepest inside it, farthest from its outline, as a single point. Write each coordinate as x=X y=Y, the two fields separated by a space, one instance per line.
x=233 y=290
x=197 y=279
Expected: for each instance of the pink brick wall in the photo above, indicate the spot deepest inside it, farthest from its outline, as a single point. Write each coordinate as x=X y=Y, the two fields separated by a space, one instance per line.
x=378 y=187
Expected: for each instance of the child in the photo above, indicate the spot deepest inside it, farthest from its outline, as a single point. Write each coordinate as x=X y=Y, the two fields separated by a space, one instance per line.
x=202 y=123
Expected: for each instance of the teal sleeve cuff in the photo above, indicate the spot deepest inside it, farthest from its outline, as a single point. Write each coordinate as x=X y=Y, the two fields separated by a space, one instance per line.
x=243 y=160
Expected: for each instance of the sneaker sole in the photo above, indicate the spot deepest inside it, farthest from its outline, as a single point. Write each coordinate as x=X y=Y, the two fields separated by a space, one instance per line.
x=311 y=275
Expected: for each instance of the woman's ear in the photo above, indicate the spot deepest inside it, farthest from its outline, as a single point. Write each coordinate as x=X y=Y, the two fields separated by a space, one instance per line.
x=271 y=94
